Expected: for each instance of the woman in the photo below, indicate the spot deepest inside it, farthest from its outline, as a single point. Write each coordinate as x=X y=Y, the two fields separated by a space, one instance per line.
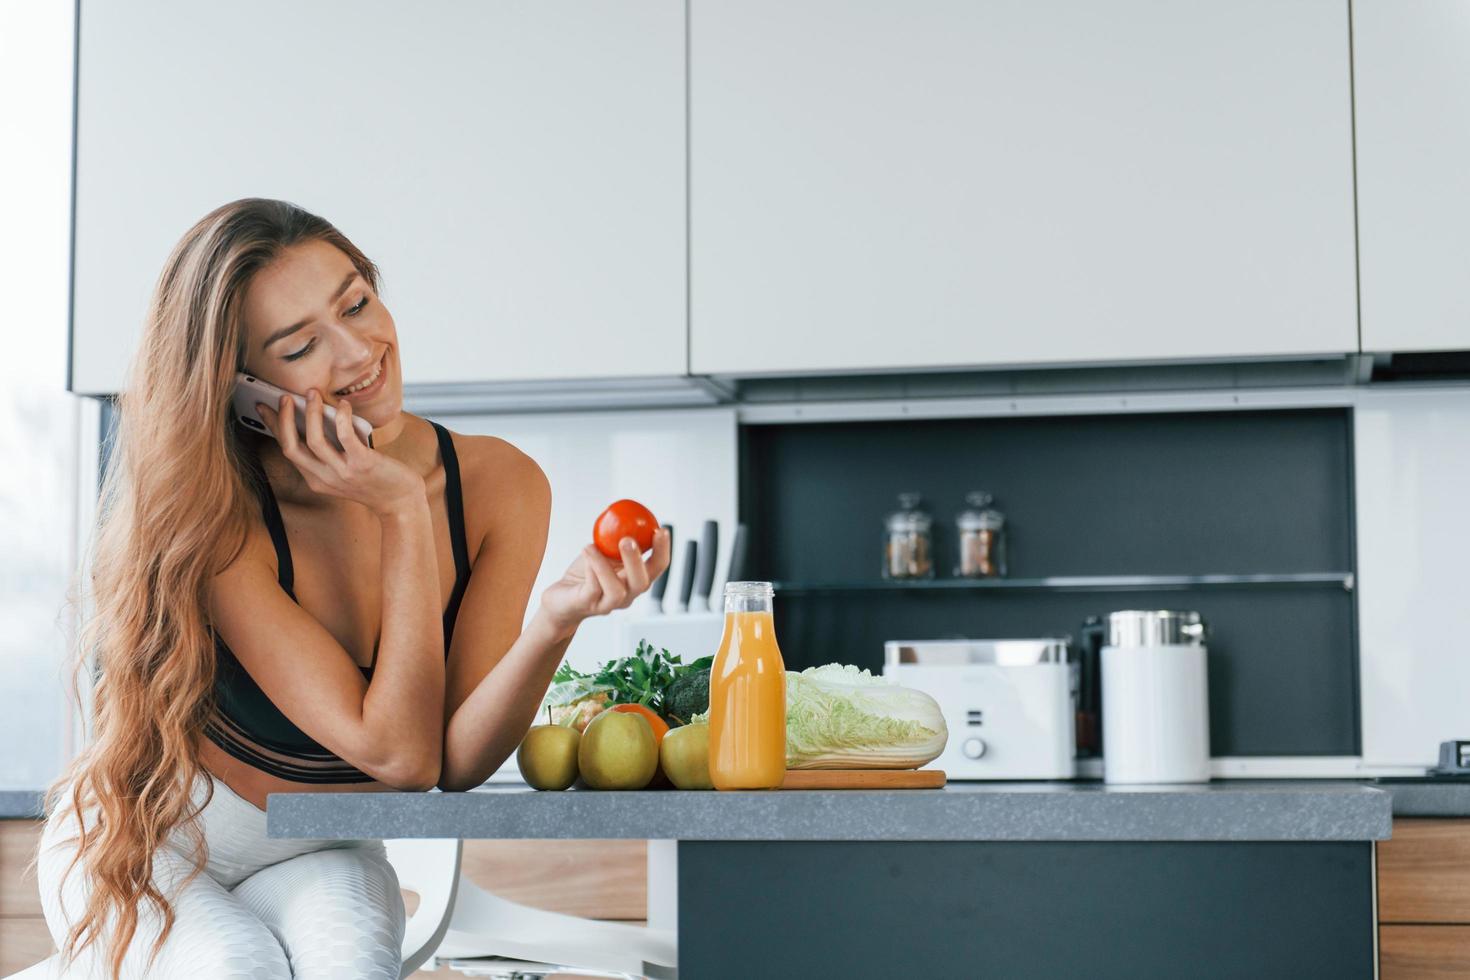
x=279 y=615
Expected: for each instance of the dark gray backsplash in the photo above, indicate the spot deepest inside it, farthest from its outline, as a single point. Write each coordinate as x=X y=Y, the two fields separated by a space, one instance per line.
x=1167 y=494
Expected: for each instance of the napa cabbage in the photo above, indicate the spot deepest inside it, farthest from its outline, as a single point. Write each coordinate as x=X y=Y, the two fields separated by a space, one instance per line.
x=842 y=717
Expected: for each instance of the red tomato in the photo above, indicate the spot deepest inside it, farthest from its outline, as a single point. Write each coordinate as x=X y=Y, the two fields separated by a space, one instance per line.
x=624 y=519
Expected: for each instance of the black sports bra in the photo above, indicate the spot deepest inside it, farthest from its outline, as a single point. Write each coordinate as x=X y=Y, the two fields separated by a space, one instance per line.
x=245 y=723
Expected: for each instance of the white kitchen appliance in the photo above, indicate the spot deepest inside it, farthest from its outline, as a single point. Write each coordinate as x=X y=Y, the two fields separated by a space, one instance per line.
x=1156 y=706
x=1010 y=705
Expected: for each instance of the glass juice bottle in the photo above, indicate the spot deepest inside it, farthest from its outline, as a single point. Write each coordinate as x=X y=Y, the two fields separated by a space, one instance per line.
x=747 y=694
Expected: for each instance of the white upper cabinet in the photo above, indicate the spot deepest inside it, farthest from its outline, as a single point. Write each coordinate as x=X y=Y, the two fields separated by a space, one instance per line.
x=879 y=184
x=1411 y=60
x=515 y=169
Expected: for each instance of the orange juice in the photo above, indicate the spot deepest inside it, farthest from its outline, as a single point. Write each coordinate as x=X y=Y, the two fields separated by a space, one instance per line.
x=747 y=694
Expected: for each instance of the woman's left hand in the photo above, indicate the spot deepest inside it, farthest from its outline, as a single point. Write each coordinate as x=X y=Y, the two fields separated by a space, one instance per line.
x=594 y=586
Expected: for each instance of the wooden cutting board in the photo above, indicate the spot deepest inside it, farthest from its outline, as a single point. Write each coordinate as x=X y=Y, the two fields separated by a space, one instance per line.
x=864 y=779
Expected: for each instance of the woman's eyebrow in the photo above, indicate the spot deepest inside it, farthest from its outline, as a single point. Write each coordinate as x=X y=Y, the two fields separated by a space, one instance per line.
x=287 y=331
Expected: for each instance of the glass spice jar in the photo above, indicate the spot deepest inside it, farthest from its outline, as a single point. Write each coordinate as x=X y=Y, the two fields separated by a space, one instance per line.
x=982 y=544
x=908 y=545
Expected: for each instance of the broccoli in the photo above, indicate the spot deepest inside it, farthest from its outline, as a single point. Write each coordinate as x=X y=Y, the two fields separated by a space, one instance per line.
x=689 y=694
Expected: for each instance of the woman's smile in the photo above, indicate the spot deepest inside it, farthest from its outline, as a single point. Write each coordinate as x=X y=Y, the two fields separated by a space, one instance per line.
x=368 y=387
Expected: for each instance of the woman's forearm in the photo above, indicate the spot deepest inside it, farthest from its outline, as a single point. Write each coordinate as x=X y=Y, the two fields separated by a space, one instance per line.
x=491 y=722
x=404 y=705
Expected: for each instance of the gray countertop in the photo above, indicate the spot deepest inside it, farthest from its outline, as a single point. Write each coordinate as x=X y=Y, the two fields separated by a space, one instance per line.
x=20 y=803
x=1443 y=798
x=1232 y=810
x=1410 y=799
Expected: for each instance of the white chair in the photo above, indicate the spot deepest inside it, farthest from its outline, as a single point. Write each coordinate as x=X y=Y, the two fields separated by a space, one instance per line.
x=429 y=868
x=483 y=924
x=488 y=925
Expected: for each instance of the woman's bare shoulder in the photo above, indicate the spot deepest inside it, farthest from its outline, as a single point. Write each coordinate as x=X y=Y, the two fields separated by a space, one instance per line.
x=257 y=545
x=251 y=571
x=490 y=465
x=503 y=487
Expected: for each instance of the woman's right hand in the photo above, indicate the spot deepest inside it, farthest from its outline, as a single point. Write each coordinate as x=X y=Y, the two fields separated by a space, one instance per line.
x=374 y=479
x=594 y=586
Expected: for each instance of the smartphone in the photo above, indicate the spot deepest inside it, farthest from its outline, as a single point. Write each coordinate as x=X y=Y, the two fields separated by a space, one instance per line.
x=249 y=390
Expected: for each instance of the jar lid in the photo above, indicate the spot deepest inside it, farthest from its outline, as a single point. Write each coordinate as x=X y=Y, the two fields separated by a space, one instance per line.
x=910 y=516
x=980 y=516
x=1154 y=627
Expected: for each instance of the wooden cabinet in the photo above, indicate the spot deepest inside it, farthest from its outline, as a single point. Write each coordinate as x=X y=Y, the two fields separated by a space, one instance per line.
x=1424 y=872
x=879 y=186
x=1412 y=83
x=24 y=938
x=515 y=169
x=1424 y=900
x=1424 y=952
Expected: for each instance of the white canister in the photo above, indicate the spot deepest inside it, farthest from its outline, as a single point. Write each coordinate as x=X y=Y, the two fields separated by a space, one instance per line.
x=1155 y=698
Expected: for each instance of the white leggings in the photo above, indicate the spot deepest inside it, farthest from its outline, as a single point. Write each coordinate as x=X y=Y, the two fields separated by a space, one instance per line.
x=261 y=909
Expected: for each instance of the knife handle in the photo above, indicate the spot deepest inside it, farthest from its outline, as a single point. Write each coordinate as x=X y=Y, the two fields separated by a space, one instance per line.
x=661 y=584
x=686 y=586
x=709 y=548
x=738 y=546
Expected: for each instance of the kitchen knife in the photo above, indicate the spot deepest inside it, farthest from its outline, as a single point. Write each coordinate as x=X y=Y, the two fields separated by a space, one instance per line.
x=656 y=589
x=709 y=549
x=736 y=572
x=691 y=555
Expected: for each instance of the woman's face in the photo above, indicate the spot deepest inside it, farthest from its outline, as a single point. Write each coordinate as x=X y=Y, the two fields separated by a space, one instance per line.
x=311 y=321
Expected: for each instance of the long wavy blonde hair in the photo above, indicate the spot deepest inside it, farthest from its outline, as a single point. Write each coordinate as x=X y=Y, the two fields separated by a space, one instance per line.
x=176 y=505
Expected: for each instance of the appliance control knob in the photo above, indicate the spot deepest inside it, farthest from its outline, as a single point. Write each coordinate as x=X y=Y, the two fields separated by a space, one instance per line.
x=973 y=748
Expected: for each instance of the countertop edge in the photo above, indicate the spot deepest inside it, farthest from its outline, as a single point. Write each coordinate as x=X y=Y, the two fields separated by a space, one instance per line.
x=1412 y=799
x=1431 y=800
x=21 y=804
x=1332 y=813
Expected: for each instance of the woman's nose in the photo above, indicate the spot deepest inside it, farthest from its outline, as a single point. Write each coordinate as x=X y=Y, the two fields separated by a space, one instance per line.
x=353 y=346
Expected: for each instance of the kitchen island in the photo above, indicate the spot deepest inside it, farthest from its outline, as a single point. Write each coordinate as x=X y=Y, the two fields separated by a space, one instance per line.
x=1225 y=879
